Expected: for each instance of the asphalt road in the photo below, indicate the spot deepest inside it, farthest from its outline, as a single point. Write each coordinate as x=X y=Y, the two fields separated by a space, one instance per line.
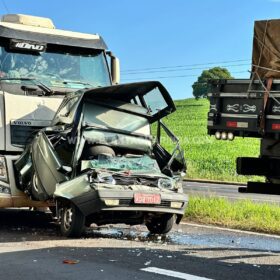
x=30 y=248
x=227 y=191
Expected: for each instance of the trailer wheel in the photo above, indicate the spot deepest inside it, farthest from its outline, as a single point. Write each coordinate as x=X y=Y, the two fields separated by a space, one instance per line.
x=72 y=221
x=161 y=225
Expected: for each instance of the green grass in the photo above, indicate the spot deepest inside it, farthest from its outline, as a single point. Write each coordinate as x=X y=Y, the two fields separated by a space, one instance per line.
x=245 y=215
x=207 y=158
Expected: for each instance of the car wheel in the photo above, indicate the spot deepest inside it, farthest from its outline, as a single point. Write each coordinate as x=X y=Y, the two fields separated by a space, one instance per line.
x=72 y=221
x=161 y=225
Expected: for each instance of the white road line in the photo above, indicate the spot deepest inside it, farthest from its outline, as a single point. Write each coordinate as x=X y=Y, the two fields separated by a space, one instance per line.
x=232 y=230
x=172 y=273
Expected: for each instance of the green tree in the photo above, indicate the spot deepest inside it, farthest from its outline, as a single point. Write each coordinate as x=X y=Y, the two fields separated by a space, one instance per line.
x=200 y=86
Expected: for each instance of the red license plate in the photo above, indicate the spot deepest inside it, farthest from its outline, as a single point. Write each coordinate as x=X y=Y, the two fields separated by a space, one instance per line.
x=145 y=198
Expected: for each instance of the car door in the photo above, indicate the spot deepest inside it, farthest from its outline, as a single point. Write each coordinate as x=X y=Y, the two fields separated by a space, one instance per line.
x=48 y=169
x=169 y=162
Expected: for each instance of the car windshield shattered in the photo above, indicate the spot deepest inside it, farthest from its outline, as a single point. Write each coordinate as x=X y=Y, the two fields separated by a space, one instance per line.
x=123 y=163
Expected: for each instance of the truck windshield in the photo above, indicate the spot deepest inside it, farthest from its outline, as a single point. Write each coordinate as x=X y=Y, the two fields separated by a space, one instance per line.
x=73 y=68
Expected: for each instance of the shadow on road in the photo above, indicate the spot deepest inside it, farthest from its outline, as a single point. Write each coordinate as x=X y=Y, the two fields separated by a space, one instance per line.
x=19 y=225
x=123 y=251
x=124 y=263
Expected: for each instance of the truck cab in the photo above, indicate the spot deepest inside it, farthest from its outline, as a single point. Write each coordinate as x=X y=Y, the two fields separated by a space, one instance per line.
x=39 y=65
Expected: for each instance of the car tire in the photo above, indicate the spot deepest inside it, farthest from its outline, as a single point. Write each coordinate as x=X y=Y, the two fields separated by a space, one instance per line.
x=161 y=225
x=72 y=221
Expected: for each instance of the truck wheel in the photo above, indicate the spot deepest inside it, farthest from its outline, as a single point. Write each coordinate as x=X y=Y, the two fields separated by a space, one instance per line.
x=72 y=221
x=161 y=225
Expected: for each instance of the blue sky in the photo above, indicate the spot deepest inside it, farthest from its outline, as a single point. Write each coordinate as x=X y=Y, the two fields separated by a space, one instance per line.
x=162 y=34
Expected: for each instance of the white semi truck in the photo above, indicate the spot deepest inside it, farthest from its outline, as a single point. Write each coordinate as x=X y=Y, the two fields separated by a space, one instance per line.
x=39 y=65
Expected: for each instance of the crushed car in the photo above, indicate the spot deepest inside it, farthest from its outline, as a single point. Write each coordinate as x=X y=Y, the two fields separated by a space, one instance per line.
x=99 y=163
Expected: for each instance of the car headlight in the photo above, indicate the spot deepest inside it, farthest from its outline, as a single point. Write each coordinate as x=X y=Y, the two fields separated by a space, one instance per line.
x=106 y=179
x=3 y=170
x=96 y=177
x=176 y=204
x=165 y=183
x=178 y=185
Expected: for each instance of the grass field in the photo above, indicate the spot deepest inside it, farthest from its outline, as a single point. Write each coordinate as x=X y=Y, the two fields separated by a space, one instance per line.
x=207 y=158
x=245 y=215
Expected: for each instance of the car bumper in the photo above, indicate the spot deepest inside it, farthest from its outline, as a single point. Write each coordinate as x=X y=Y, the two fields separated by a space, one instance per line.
x=96 y=201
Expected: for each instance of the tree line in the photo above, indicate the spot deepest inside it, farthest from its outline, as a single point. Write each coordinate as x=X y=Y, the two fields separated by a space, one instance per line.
x=200 y=87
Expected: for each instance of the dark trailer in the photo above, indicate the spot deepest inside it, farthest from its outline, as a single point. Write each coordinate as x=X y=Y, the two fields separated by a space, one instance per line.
x=251 y=108
x=244 y=108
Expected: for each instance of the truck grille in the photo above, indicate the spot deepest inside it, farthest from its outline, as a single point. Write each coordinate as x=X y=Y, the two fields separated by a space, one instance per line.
x=22 y=135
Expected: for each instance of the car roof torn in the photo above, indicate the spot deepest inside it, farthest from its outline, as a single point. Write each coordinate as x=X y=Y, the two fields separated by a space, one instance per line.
x=150 y=95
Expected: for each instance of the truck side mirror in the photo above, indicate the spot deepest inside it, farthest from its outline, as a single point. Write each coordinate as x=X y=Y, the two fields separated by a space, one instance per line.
x=115 y=68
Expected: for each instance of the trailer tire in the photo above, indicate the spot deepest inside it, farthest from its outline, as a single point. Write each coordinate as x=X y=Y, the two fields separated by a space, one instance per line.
x=72 y=221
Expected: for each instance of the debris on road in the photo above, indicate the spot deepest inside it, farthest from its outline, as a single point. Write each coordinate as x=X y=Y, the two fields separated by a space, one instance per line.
x=71 y=261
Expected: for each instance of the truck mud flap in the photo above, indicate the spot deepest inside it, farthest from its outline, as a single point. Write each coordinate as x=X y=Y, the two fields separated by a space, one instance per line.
x=261 y=188
x=269 y=167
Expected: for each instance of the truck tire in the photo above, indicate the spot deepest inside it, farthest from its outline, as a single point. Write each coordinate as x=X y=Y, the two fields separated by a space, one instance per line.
x=72 y=221
x=161 y=225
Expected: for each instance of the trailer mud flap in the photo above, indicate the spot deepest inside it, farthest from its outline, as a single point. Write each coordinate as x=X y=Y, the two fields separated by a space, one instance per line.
x=261 y=188
x=269 y=167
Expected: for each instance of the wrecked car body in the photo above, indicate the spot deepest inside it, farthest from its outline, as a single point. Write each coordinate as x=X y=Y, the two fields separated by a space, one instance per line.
x=98 y=162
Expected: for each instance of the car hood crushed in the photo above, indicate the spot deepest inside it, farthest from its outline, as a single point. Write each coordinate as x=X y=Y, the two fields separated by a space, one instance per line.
x=103 y=137
x=140 y=170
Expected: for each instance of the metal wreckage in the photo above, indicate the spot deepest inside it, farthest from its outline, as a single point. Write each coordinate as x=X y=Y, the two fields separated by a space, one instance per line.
x=74 y=140
x=99 y=164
